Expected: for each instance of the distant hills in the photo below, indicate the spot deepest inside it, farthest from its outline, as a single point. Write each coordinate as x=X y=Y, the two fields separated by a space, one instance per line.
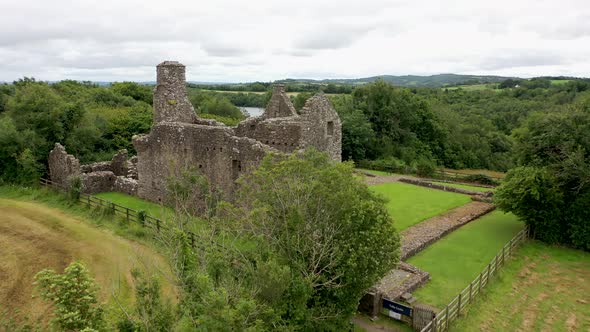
x=433 y=81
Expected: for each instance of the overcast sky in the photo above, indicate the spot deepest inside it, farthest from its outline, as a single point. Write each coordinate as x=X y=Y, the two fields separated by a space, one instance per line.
x=253 y=40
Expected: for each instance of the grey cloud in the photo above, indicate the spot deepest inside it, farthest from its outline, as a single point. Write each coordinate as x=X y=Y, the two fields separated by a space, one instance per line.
x=330 y=37
x=513 y=59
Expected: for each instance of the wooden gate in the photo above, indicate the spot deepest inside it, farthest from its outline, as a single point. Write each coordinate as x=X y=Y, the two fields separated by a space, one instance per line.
x=422 y=315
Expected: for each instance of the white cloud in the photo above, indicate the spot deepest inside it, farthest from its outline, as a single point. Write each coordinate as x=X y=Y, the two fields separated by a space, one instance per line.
x=234 y=40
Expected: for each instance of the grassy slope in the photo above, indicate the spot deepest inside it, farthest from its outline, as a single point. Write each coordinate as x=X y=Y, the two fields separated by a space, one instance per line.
x=542 y=288
x=409 y=204
x=34 y=235
x=454 y=261
x=465 y=186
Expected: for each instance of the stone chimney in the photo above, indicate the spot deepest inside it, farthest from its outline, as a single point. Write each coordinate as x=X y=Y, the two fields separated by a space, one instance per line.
x=171 y=102
x=280 y=104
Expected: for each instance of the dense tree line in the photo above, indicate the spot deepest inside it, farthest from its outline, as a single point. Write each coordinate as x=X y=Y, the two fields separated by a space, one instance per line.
x=408 y=129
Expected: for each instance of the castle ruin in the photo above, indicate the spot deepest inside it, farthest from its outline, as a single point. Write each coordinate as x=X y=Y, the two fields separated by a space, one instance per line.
x=180 y=140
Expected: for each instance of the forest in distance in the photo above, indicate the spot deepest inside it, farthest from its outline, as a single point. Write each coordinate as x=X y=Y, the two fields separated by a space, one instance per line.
x=405 y=129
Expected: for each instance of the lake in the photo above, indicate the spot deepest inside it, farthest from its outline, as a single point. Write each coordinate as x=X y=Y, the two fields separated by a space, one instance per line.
x=253 y=111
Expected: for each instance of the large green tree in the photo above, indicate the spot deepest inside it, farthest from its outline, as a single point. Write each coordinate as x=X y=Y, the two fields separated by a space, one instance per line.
x=333 y=233
x=551 y=189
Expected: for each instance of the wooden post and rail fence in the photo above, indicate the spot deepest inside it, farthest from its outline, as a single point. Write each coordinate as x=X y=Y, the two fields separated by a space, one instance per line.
x=130 y=215
x=442 y=320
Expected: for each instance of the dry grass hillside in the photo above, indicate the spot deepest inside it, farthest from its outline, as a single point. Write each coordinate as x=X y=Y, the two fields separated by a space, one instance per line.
x=34 y=236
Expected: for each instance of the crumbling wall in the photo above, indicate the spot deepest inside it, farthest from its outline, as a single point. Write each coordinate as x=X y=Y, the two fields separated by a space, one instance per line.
x=119 y=163
x=62 y=166
x=125 y=185
x=98 y=182
x=213 y=151
x=279 y=105
x=283 y=134
x=322 y=128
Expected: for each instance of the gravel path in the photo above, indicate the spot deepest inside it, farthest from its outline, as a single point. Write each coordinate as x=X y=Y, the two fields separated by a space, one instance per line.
x=419 y=236
x=406 y=277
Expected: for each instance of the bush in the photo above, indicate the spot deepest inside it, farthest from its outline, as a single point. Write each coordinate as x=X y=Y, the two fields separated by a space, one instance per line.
x=481 y=179
x=425 y=167
x=74 y=297
x=75 y=189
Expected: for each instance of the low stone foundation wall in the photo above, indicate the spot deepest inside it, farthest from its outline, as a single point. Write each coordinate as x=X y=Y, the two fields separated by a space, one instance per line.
x=125 y=185
x=96 y=182
x=445 y=188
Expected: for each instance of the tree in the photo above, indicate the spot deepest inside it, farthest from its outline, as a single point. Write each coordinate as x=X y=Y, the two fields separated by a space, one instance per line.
x=134 y=90
x=551 y=190
x=73 y=295
x=333 y=233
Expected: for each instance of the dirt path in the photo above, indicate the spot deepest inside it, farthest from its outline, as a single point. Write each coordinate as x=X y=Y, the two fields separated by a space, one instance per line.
x=419 y=236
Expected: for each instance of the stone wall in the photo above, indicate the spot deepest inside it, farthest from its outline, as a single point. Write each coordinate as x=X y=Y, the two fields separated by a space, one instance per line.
x=62 y=166
x=446 y=188
x=97 y=177
x=98 y=182
x=213 y=151
x=322 y=128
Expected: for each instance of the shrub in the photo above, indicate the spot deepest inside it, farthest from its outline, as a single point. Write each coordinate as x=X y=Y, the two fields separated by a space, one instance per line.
x=425 y=167
x=75 y=188
x=74 y=297
x=481 y=179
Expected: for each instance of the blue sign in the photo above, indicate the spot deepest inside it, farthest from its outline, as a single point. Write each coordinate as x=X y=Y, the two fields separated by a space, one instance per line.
x=396 y=307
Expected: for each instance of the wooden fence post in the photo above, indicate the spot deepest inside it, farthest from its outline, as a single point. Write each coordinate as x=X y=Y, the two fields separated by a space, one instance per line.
x=158 y=224
x=127 y=213
x=447 y=320
x=480 y=277
x=496 y=262
x=459 y=307
x=470 y=289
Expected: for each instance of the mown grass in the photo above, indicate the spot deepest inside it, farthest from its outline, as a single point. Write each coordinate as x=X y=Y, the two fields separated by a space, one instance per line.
x=409 y=204
x=541 y=288
x=464 y=186
x=41 y=229
x=138 y=204
x=455 y=260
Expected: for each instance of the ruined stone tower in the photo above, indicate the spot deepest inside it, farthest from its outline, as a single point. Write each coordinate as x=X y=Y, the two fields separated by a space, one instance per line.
x=171 y=102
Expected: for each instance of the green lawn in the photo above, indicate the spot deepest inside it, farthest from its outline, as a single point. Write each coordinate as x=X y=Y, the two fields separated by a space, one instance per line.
x=559 y=82
x=409 y=204
x=542 y=288
x=464 y=186
x=138 y=204
x=455 y=260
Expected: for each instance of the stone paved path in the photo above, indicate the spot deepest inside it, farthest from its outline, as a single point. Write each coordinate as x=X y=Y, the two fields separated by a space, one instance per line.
x=419 y=236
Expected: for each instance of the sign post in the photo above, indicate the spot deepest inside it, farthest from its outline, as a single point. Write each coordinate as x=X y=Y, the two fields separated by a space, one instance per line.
x=396 y=310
